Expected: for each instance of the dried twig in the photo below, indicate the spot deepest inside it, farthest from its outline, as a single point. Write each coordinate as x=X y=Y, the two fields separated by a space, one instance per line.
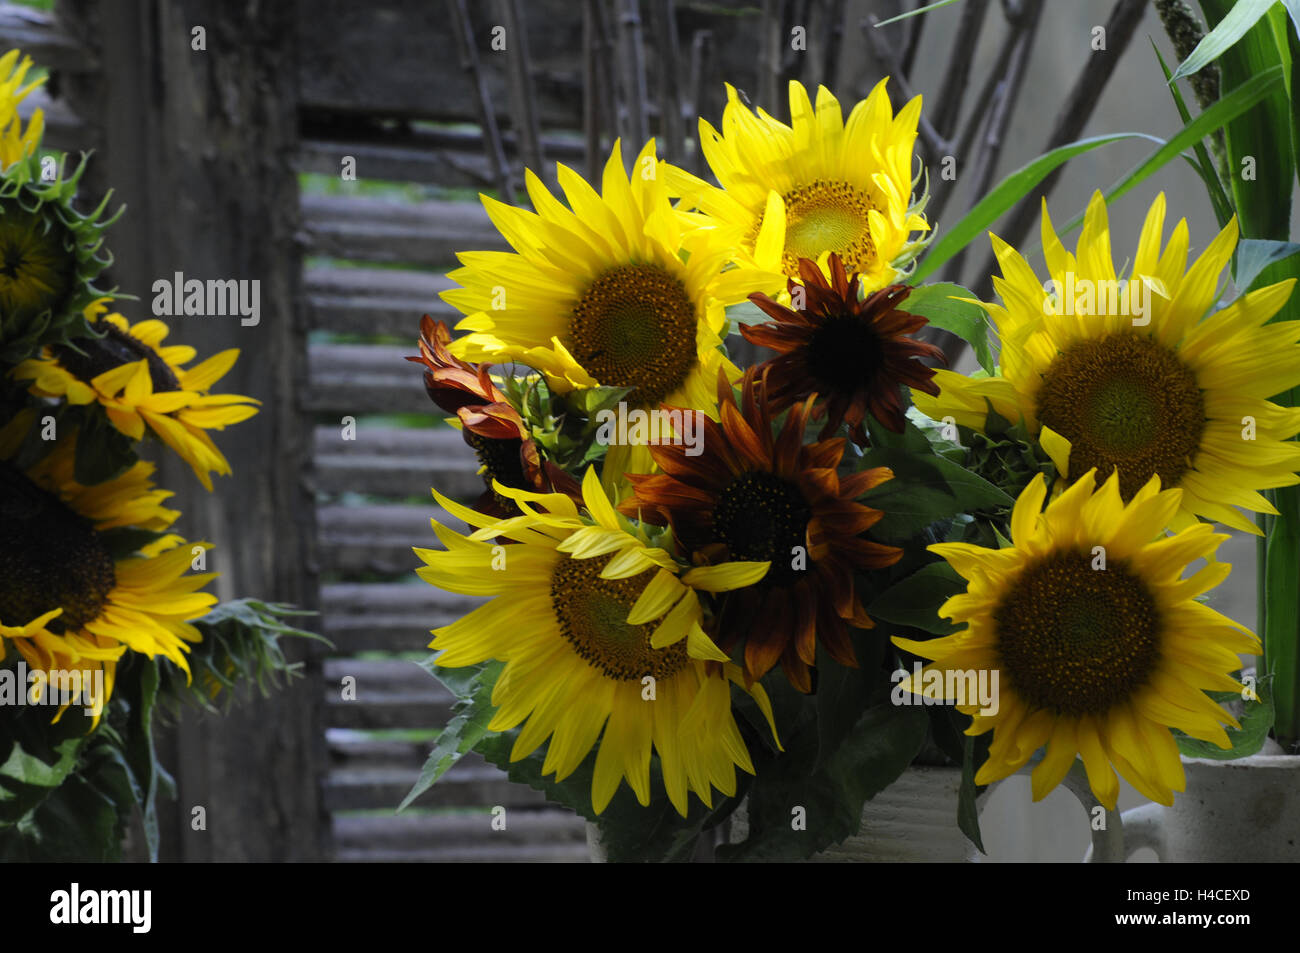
x=914 y=27
x=957 y=76
x=1026 y=27
x=701 y=57
x=634 y=89
x=934 y=143
x=464 y=31
x=663 y=23
x=523 y=107
x=1074 y=114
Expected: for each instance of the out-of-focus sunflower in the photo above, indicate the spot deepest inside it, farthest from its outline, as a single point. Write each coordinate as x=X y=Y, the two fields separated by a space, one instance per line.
x=17 y=143
x=584 y=610
x=752 y=496
x=612 y=291
x=1098 y=659
x=66 y=592
x=852 y=352
x=816 y=186
x=1171 y=392
x=139 y=381
x=491 y=426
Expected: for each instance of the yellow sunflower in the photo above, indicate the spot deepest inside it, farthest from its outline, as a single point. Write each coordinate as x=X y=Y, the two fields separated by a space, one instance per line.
x=612 y=291
x=15 y=142
x=139 y=382
x=1098 y=642
x=65 y=597
x=597 y=630
x=816 y=186
x=1132 y=375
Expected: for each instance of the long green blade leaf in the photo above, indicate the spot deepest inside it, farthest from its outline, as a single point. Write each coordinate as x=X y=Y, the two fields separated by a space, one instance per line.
x=1231 y=28
x=1203 y=165
x=917 y=12
x=1222 y=112
x=1006 y=194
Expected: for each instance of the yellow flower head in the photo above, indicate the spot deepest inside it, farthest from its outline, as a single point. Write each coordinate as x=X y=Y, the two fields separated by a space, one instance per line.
x=1134 y=375
x=586 y=614
x=1097 y=640
x=816 y=186
x=139 y=382
x=613 y=290
x=71 y=594
x=15 y=142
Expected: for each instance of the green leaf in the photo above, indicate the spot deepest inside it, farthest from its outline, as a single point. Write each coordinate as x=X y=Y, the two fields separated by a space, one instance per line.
x=1256 y=719
x=883 y=742
x=941 y=305
x=1256 y=254
x=917 y=12
x=473 y=686
x=25 y=768
x=925 y=490
x=103 y=451
x=1006 y=194
x=1224 y=111
x=1203 y=165
x=968 y=815
x=915 y=601
x=1243 y=15
x=140 y=753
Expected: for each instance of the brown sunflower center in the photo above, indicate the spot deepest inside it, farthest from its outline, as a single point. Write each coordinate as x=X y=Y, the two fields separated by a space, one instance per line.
x=1075 y=639
x=844 y=353
x=50 y=556
x=763 y=517
x=828 y=217
x=592 y=613
x=635 y=327
x=1124 y=401
x=501 y=462
x=95 y=355
x=36 y=267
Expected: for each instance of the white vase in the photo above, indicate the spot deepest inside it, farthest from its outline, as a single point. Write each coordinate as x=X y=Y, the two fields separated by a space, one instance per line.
x=1246 y=810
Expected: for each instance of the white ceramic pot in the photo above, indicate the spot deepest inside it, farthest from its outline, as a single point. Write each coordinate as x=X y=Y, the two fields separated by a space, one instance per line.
x=1246 y=810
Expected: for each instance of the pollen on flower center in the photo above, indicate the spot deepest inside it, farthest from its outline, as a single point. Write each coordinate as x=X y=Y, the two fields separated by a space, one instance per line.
x=50 y=557
x=828 y=217
x=1124 y=401
x=763 y=517
x=93 y=356
x=635 y=327
x=592 y=614
x=1075 y=639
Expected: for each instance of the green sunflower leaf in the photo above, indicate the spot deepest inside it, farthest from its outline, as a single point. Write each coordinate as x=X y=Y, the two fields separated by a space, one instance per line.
x=473 y=686
x=941 y=305
x=1256 y=718
x=925 y=490
x=1241 y=17
x=915 y=601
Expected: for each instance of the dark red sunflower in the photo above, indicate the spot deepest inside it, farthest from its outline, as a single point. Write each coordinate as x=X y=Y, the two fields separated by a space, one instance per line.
x=754 y=496
x=489 y=423
x=854 y=355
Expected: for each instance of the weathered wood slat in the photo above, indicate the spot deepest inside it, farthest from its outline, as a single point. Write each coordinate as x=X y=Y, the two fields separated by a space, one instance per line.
x=397 y=58
x=442 y=157
x=566 y=853
x=39 y=35
x=376 y=538
x=354 y=379
x=396 y=463
x=375 y=301
x=552 y=827
x=418 y=233
x=366 y=789
x=395 y=617
x=64 y=129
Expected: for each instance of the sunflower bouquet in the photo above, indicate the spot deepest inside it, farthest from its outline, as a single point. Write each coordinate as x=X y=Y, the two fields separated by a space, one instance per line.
x=796 y=572
x=104 y=613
